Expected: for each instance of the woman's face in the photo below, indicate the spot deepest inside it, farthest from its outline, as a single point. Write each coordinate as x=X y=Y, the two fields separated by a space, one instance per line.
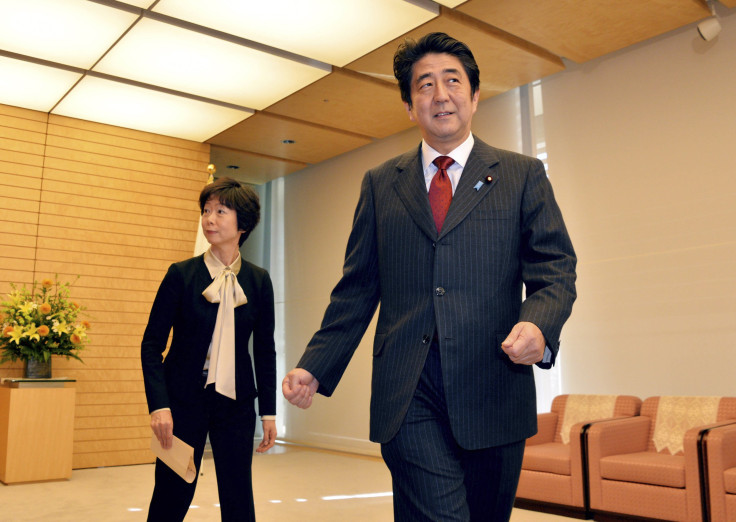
x=220 y=224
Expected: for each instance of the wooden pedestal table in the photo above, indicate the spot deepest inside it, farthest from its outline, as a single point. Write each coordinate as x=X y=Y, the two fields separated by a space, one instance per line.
x=36 y=429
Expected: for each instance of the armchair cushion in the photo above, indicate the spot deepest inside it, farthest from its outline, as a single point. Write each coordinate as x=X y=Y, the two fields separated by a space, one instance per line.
x=551 y=458
x=645 y=468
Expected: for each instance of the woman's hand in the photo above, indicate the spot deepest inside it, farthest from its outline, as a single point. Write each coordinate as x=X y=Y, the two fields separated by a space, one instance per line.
x=269 y=436
x=162 y=425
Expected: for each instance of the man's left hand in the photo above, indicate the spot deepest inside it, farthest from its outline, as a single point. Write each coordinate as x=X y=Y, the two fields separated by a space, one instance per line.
x=525 y=344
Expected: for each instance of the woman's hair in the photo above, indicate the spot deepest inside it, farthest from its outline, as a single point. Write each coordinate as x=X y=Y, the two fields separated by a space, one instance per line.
x=240 y=198
x=412 y=51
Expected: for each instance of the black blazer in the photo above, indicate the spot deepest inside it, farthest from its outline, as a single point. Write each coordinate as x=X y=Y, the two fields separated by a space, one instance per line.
x=465 y=284
x=180 y=304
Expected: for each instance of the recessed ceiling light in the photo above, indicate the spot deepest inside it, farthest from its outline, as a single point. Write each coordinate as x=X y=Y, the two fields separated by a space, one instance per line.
x=287 y=142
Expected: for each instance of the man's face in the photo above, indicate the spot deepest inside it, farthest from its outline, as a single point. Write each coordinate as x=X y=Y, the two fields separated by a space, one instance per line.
x=442 y=105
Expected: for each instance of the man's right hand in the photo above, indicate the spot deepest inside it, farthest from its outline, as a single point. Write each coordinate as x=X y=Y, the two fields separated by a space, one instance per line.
x=298 y=387
x=162 y=425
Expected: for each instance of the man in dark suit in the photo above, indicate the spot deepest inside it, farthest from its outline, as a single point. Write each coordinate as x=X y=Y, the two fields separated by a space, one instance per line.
x=453 y=395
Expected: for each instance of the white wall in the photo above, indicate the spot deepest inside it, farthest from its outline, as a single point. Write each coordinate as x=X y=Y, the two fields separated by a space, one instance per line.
x=642 y=157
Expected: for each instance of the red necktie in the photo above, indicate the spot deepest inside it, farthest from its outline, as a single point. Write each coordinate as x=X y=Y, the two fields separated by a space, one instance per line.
x=440 y=190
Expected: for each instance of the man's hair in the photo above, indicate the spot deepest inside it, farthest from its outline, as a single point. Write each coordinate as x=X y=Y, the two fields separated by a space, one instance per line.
x=240 y=198
x=412 y=51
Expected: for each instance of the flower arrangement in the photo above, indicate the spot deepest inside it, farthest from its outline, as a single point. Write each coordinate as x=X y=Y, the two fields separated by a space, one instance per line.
x=41 y=322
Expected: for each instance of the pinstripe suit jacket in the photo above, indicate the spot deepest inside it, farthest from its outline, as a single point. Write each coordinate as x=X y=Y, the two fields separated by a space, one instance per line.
x=465 y=284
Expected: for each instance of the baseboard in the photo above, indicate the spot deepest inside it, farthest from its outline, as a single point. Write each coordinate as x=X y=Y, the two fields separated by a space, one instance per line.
x=551 y=508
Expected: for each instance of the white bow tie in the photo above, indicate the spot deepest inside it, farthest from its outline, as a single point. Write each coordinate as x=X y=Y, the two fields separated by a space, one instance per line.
x=225 y=290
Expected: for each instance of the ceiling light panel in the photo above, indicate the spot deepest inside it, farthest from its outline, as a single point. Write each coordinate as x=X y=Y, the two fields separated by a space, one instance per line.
x=123 y=105
x=450 y=3
x=332 y=31
x=165 y=55
x=33 y=86
x=71 y=33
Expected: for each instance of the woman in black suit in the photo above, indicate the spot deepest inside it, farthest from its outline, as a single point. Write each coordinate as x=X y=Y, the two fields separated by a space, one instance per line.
x=214 y=303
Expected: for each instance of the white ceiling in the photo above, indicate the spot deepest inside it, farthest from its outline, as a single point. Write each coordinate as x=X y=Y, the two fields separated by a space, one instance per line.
x=249 y=77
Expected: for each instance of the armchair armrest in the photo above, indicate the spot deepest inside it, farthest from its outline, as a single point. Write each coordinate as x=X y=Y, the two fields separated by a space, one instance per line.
x=720 y=446
x=617 y=436
x=696 y=484
x=711 y=435
x=546 y=426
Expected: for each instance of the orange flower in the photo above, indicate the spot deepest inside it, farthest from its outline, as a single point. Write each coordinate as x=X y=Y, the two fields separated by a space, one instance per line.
x=7 y=330
x=44 y=308
x=43 y=330
x=75 y=306
x=47 y=283
x=87 y=325
x=76 y=339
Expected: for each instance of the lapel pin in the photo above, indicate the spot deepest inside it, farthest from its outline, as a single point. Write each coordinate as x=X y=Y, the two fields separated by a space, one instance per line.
x=486 y=180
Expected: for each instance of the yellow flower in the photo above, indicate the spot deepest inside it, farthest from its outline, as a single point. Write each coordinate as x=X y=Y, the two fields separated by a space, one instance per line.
x=32 y=333
x=60 y=327
x=27 y=307
x=47 y=283
x=43 y=330
x=16 y=335
x=45 y=308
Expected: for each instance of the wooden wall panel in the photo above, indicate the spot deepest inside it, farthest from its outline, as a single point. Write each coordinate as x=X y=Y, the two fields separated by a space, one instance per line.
x=22 y=138
x=115 y=207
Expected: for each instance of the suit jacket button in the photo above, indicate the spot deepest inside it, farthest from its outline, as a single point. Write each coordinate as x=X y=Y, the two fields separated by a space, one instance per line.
x=425 y=339
x=439 y=291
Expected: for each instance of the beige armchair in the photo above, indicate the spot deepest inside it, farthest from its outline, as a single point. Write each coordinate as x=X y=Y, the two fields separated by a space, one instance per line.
x=648 y=466
x=720 y=450
x=553 y=471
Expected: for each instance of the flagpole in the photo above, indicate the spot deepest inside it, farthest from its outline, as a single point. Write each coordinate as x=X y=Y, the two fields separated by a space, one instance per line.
x=201 y=245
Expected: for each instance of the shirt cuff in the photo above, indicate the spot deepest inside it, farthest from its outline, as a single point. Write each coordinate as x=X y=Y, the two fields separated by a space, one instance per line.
x=268 y=417
x=547 y=357
x=160 y=409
